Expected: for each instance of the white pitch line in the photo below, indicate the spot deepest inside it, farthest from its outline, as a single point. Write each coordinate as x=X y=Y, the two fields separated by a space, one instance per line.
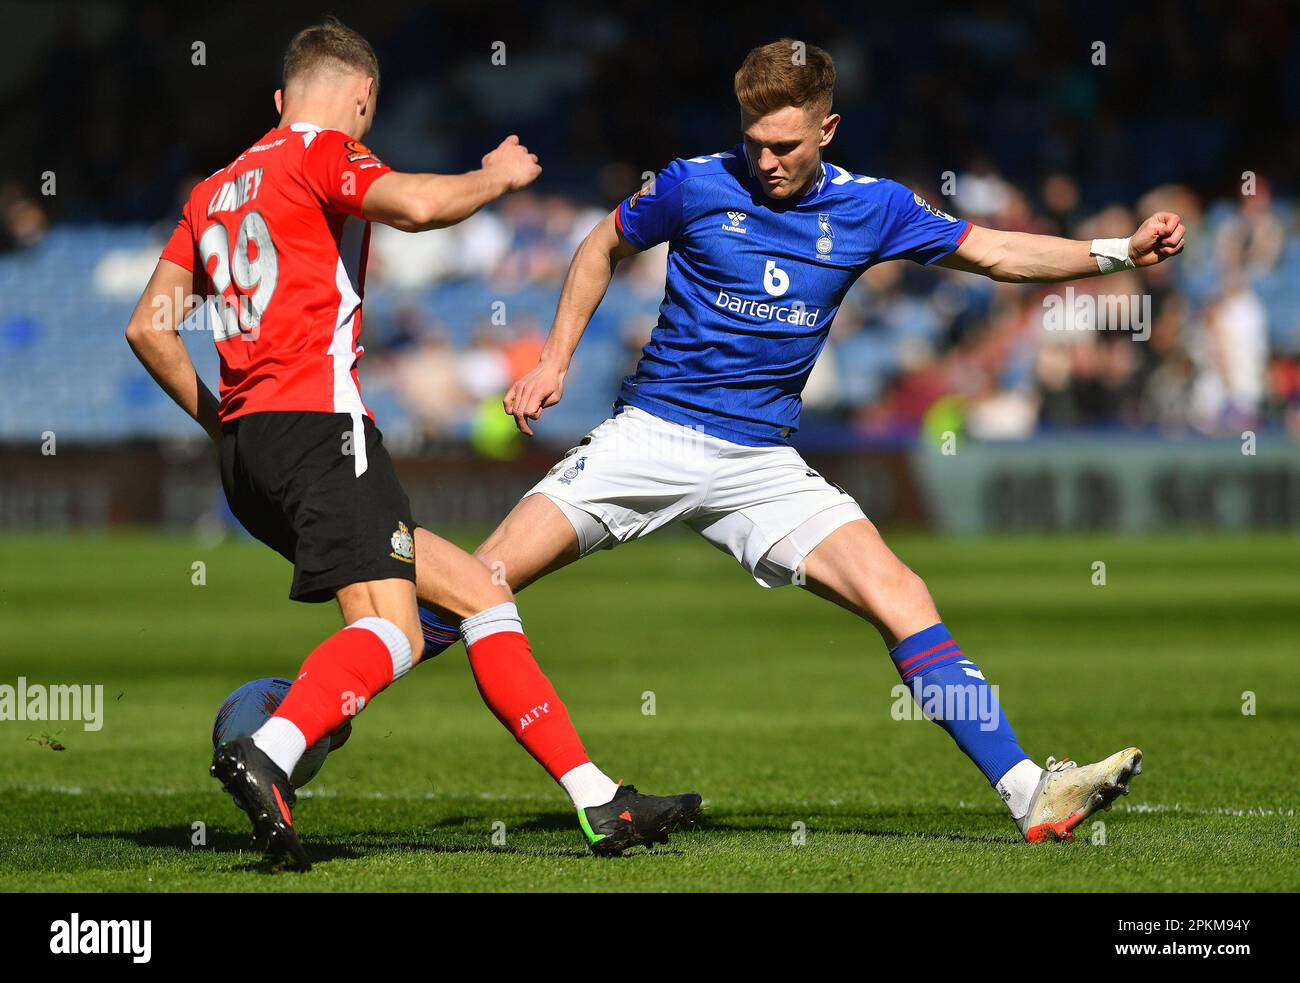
x=1214 y=811
x=1178 y=807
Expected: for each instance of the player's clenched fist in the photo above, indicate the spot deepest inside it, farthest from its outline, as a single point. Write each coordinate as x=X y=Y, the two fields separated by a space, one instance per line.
x=540 y=388
x=513 y=164
x=1156 y=239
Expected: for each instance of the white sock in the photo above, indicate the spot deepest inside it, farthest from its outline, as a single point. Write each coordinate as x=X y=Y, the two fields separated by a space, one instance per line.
x=399 y=646
x=501 y=617
x=282 y=742
x=1018 y=785
x=588 y=786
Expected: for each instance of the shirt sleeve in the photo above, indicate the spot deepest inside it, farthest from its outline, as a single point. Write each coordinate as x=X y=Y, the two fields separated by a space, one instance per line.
x=654 y=214
x=183 y=248
x=912 y=228
x=339 y=171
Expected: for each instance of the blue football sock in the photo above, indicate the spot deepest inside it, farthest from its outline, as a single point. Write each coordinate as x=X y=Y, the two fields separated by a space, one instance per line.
x=952 y=692
x=439 y=635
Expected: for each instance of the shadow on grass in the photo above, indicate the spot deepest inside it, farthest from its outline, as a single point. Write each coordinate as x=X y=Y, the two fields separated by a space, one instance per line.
x=445 y=835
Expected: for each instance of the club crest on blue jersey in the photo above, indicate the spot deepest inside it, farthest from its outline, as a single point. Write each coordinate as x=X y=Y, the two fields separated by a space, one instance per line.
x=827 y=240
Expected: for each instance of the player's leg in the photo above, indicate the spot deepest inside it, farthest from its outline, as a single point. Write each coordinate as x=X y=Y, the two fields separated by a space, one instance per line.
x=786 y=524
x=533 y=540
x=536 y=538
x=341 y=517
x=856 y=569
x=549 y=528
x=853 y=567
x=480 y=608
x=339 y=678
x=342 y=675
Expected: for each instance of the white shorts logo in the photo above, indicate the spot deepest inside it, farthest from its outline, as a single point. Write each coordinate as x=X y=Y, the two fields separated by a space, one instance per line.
x=573 y=472
x=775 y=280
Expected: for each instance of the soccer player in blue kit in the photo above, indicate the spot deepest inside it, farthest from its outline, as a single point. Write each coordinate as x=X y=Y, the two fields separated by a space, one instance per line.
x=764 y=241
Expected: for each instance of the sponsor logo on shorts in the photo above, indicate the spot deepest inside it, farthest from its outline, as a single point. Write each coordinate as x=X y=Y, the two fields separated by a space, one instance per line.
x=403 y=544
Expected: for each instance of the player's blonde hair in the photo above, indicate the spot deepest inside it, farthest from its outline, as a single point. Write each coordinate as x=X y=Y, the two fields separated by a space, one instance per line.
x=786 y=73
x=330 y=43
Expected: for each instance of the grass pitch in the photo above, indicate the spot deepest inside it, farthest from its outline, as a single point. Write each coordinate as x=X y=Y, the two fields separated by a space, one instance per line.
x=774 y=705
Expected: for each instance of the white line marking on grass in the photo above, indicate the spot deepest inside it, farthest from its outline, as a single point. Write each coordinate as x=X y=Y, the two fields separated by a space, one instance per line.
x=1253 y=811
x=1177 y=807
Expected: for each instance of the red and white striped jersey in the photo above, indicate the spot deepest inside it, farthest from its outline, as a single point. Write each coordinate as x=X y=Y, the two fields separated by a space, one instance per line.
x=279 y=234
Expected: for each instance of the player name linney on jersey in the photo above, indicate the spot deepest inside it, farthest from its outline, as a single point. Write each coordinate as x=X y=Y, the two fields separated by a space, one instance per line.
x=236 y=193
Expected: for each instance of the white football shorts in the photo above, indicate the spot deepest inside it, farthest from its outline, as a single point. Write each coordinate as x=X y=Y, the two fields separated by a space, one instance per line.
x=636 y=473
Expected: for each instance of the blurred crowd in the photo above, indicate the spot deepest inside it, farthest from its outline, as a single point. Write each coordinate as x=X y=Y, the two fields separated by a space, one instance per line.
x=1045 y=131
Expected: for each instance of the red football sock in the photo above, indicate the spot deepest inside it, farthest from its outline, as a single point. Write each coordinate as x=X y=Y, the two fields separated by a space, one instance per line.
x=343 y=674
x=518 y=692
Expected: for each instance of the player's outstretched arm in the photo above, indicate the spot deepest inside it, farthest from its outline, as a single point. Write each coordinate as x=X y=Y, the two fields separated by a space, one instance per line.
x=418 y=202
x=153 y=334
x=1019 y=257
x=584 y=288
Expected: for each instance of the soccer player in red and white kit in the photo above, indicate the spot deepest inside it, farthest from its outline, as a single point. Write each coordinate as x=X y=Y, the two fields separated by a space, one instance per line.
x=279 y=239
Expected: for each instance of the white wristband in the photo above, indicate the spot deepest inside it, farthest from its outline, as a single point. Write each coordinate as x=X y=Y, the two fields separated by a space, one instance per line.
x=1112 y=254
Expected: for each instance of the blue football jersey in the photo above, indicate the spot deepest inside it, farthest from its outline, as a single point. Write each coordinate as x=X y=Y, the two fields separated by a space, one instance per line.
x=754 y=283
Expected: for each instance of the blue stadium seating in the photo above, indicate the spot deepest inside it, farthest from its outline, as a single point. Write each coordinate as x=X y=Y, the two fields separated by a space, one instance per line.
x=64 y=365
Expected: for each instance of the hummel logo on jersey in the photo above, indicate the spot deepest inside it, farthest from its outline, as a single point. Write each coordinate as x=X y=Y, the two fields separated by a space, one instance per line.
x=736 y=218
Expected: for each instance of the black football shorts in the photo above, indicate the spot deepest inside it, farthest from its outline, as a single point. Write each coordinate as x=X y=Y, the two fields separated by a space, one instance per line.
x=291 y=479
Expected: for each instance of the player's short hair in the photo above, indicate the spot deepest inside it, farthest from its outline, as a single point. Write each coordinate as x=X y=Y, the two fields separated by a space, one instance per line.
x=786 y=73
x=331 y=43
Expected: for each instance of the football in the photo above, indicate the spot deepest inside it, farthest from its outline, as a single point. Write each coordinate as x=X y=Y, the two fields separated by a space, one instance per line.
x=248 y=707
